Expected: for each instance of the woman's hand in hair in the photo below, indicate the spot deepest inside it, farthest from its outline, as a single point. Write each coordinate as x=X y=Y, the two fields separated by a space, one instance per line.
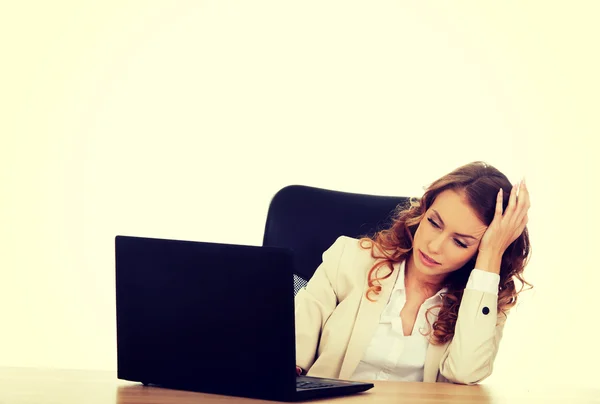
x=505 y=228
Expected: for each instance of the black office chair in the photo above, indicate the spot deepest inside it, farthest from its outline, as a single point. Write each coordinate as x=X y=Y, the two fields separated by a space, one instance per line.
x=308 y=220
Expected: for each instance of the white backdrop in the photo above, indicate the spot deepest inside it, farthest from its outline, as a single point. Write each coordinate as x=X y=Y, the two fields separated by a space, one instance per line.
x=182 y=119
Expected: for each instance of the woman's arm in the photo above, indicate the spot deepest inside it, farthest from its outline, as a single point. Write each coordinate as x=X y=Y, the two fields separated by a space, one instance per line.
x=469 y=357
x=315 y=303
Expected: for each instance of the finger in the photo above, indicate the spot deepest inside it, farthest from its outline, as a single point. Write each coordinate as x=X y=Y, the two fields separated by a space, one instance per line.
x=519 y=230
x=525 y=193
x=512 y=200
x=523 y=221
x=523 y=203
x=499 y=198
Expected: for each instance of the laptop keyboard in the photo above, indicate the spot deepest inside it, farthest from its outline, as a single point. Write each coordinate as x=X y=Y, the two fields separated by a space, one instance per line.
x=304 y=385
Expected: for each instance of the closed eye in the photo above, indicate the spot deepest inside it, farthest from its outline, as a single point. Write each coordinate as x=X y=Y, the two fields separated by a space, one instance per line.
x=458 y=243
x=437 y=226
x=434 y=224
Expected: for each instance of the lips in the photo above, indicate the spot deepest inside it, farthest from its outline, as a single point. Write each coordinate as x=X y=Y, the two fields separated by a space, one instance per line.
x=427 y=259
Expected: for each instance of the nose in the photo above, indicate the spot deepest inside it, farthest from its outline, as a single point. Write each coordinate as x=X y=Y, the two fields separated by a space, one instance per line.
x=435 y=244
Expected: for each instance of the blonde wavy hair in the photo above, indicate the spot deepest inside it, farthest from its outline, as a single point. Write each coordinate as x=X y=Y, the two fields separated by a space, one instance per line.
x=479 y=183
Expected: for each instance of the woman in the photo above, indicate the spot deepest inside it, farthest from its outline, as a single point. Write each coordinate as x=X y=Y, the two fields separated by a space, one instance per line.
x=427 y=298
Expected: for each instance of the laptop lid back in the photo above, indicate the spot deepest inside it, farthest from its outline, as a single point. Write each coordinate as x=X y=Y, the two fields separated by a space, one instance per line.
x=205 y=316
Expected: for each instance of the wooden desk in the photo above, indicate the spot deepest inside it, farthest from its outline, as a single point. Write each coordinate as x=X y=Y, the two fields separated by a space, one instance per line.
x=35 y=386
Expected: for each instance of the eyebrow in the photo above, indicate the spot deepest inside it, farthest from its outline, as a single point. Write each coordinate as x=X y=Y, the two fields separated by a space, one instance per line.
x=442 y=222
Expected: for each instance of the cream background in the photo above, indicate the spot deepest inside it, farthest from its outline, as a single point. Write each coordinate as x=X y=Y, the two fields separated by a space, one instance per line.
x=182 y=119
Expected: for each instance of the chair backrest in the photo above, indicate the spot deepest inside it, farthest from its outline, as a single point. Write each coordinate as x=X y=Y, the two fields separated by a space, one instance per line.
x=308 y=220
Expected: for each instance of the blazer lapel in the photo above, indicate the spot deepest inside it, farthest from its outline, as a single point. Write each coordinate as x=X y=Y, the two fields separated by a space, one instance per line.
x=367 y=320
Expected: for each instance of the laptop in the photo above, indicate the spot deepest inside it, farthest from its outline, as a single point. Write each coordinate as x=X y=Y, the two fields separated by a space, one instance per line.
x=213 y=318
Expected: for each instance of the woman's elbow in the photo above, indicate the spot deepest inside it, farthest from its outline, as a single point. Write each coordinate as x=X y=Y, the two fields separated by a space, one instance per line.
x=467 y=376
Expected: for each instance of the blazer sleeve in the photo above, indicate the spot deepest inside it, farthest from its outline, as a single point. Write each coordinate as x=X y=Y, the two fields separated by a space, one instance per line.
x=469 y=357
x=315 y=303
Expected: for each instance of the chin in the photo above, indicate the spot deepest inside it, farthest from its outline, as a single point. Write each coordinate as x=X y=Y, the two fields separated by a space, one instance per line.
x=433 y=271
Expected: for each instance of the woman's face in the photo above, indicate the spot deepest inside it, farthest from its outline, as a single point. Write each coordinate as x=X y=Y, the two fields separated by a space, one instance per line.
x=448 y=236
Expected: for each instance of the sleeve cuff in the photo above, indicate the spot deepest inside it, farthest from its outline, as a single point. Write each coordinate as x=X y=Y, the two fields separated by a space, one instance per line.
x=483 y=281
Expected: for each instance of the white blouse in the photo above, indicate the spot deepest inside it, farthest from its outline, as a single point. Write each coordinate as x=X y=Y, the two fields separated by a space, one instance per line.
x=393 y=356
